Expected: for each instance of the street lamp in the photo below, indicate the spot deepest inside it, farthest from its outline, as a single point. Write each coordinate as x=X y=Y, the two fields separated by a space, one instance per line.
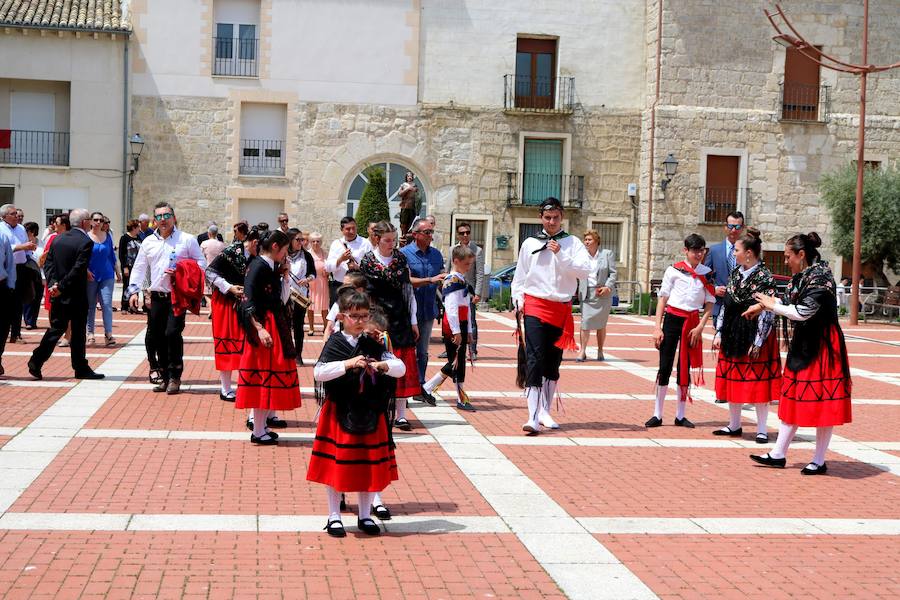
x=798 y=42
x=137 y=145
x=670 y=165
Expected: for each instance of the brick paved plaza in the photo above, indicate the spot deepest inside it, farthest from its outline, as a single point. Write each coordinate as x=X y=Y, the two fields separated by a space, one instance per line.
x=111 y=491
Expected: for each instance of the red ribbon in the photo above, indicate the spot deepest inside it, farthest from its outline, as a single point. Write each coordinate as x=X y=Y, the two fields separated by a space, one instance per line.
x=683 y=266
x=688 y=357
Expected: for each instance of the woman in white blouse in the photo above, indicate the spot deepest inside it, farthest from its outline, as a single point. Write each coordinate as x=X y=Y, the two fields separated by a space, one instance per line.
x=595 y=293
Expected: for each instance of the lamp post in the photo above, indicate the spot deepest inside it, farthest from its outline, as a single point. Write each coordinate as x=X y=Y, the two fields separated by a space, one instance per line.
x=670 y=166
x=136 y=143
x=798 y=42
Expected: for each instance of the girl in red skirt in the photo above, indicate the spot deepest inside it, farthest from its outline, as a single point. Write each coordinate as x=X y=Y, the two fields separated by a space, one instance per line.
x=353 y=450
x=225 y=274
x=267 y=379
x=815 y=390
x=749 y=366
x=387 y=276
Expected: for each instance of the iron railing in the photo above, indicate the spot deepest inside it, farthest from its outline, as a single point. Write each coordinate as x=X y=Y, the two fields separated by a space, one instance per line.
x=801 y=102
x=23 y=147
x=538 y=94
x=717 y=202
x=235 y=57
x=262 y=157
x=530 y=189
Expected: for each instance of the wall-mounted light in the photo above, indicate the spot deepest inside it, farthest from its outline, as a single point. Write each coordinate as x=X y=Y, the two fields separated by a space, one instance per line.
x=137 y=145
x=670 y=166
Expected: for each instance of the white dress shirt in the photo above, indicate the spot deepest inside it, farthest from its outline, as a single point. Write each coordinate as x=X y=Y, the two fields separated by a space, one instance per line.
x=358 y=248
x=16 y=237
x=334 y=369
x=298 y=270
x=152 y=260
x=685 y=292
x=453 y=301
x=547 y=275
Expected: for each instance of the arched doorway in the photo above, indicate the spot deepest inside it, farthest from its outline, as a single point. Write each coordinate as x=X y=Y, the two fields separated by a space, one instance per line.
x=394 y=172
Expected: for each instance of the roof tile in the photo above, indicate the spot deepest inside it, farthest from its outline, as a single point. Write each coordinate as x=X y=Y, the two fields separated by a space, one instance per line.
x=68 y=14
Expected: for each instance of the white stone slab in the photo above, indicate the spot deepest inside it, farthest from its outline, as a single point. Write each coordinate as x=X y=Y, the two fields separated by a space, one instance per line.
x=534 y=440
x=548 y=525
x=293 y=522
x=445 y=524
x=28 y=443
x=640 y=525
x=193 y=523
x=615 y=442
x=567 y=548
x=695 y=443
x=857 y=526
x=506 y=484
x=124 y=433
x=771 y=526
x=479 y=466
x=65 y=521
x=26 y=460
x=56 y=422
x=10 y=431
x=512 y=505
x=457 y=450
x=599 y=582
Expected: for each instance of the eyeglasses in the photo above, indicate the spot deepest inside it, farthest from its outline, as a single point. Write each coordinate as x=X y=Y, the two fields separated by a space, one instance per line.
x=97 y=220
x=426 y=231
x=357 y=318
x=465 y=233
x=735 y=226
x=164 y=216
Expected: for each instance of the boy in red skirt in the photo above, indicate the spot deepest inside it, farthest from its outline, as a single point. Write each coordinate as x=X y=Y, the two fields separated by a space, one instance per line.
x=353 y=450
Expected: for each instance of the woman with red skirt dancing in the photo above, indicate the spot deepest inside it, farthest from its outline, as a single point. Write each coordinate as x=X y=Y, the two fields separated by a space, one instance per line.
x=749 y=366
x=267 y=378
x=815 y=388
x=387 y=277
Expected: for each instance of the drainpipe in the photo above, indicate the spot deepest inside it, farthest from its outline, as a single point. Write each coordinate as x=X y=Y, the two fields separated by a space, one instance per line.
x=126 y=173
x=650 y=194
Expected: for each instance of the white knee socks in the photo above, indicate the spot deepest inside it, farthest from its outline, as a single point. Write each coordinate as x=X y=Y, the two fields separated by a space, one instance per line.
x=682 y=402
x=762 y=415
x=401 y=408
x=785 y=436
x=435 y=382
x=533 y=396
x=376 y=499
x=365 y=505
x=259 y=421
x=823 y=438
x=225 y=379
x=334 y=503
x=548 y=391
x=660 y=398
x=734 y=413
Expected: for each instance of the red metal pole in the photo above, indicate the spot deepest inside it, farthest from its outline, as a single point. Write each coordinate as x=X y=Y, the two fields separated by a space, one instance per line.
x=860 y=166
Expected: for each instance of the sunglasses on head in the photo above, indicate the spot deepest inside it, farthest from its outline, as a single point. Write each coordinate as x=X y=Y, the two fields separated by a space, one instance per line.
x=735 y=226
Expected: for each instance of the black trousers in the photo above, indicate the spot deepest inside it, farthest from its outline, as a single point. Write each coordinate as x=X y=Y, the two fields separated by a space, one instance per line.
x=456 y=353
x=61 y=317
x=149 y=345
x=166 y=335
x=298 y=320
x=542 y=357
x=5 y=299
x=125 y=280
x=17 y=303
x=332 y=291
x=671 y=336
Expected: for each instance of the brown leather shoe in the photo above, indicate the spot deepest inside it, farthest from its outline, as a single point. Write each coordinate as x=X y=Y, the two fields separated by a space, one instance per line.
x=174 y=387
x=161 y=386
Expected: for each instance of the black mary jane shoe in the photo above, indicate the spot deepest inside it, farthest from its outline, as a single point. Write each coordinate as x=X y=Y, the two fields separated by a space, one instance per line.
x=272 y=434
x=684 y=423
x=402 y=424
x=249 y=424
x=276 y=423
x=381 y=511
x=768 y=461
x=728 y=431
x=227 y=397
x=653 y=422
x=335 y=528
x=368 y=526
x=265 y=439
x=762 y=438
x=816 y=470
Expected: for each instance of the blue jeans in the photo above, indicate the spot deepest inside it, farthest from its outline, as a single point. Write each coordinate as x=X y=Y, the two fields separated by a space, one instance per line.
x=104 y=291
x=422 y=347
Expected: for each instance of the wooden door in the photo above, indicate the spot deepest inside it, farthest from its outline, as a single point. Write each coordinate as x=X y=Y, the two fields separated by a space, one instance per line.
x=535 y=73
x=721 y=194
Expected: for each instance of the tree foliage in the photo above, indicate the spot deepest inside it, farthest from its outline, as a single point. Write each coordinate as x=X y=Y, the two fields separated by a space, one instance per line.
x=373 y=205
x=880 y=219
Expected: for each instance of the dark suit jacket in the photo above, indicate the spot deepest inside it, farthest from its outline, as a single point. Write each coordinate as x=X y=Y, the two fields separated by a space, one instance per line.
x=205 y=236
x=717 y=260
x=67 y=266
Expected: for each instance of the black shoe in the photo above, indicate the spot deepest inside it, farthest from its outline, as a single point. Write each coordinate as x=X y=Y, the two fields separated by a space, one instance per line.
x=34 y=371
x=227 y=397
x=762 y=438
x=368 y=526
x=155 y=376
x=271 y=434
x=300 y=361
x=721 y=401
x=249 y=424
x=264 y=440
x=161 y=386
x=402 y=425
x=442 y=355
x=428 y=399
x=684 y=423
x=335 y=529
x=174 y=387
x=653 y=422
x=381 y=511
x=729 y=431
x=343 y=501
x=89 y=374
x=768 y=461
x=816 y=470
x=276 y=423
x=467 y=406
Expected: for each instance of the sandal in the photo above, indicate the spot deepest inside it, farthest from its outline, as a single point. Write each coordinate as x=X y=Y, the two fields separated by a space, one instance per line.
x=381 y=511
x=335 y=528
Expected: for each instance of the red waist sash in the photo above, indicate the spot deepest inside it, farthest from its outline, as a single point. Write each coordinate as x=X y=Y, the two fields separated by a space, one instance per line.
x=557 y=314
x=688 y=357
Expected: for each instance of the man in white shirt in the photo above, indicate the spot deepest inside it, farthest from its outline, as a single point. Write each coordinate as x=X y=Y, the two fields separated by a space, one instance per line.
x=547 y=273
x=344 y=255
x=17 y=238
x=155 y=263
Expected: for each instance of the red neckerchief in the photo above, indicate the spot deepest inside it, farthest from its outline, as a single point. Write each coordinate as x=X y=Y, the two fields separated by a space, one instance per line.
x=686 y=268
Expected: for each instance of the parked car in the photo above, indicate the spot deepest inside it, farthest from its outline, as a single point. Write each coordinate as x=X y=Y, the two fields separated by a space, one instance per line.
x=501 y=279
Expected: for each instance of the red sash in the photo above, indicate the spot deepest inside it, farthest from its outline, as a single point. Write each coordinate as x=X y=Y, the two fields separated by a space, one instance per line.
x=688 y=357
x=445 y=322
x=557 y=314
x=686 y=268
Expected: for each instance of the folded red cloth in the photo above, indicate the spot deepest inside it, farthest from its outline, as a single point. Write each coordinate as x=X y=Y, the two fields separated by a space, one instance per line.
x=5 y=139
x=187 y=287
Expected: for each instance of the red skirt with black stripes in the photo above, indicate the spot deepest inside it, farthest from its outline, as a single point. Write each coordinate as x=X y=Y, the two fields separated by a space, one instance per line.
x=351 y=462
x=266 y=379
x=818 y=395
x=228 y=335
x=745 y=380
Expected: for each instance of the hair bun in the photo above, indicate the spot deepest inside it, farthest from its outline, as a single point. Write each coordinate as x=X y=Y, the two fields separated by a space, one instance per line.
x=753 y=232
x=814 y=240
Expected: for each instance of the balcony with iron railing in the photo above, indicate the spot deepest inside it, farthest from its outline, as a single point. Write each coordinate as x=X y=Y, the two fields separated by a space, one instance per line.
x=717 y=202
x=801 y=102
x=235 y=57
x=531 y=189
x=23 y=147
x=524 y=93
x=262 y=157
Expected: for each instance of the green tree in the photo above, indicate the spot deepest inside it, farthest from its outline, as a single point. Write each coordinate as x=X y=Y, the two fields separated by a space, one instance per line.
x=373 y=205
x=880 y=219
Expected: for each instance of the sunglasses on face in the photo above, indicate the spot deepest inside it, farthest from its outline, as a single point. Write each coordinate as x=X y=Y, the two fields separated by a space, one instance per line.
x=735 y=226
x=164 y=216
x=465 y=233
x=97 y=220
x=426 y=231
x=282 y=220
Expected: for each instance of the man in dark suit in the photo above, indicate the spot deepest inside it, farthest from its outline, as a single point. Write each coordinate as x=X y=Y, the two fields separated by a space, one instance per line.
x=205 y=235
x=66 y=269
x=720 y=257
